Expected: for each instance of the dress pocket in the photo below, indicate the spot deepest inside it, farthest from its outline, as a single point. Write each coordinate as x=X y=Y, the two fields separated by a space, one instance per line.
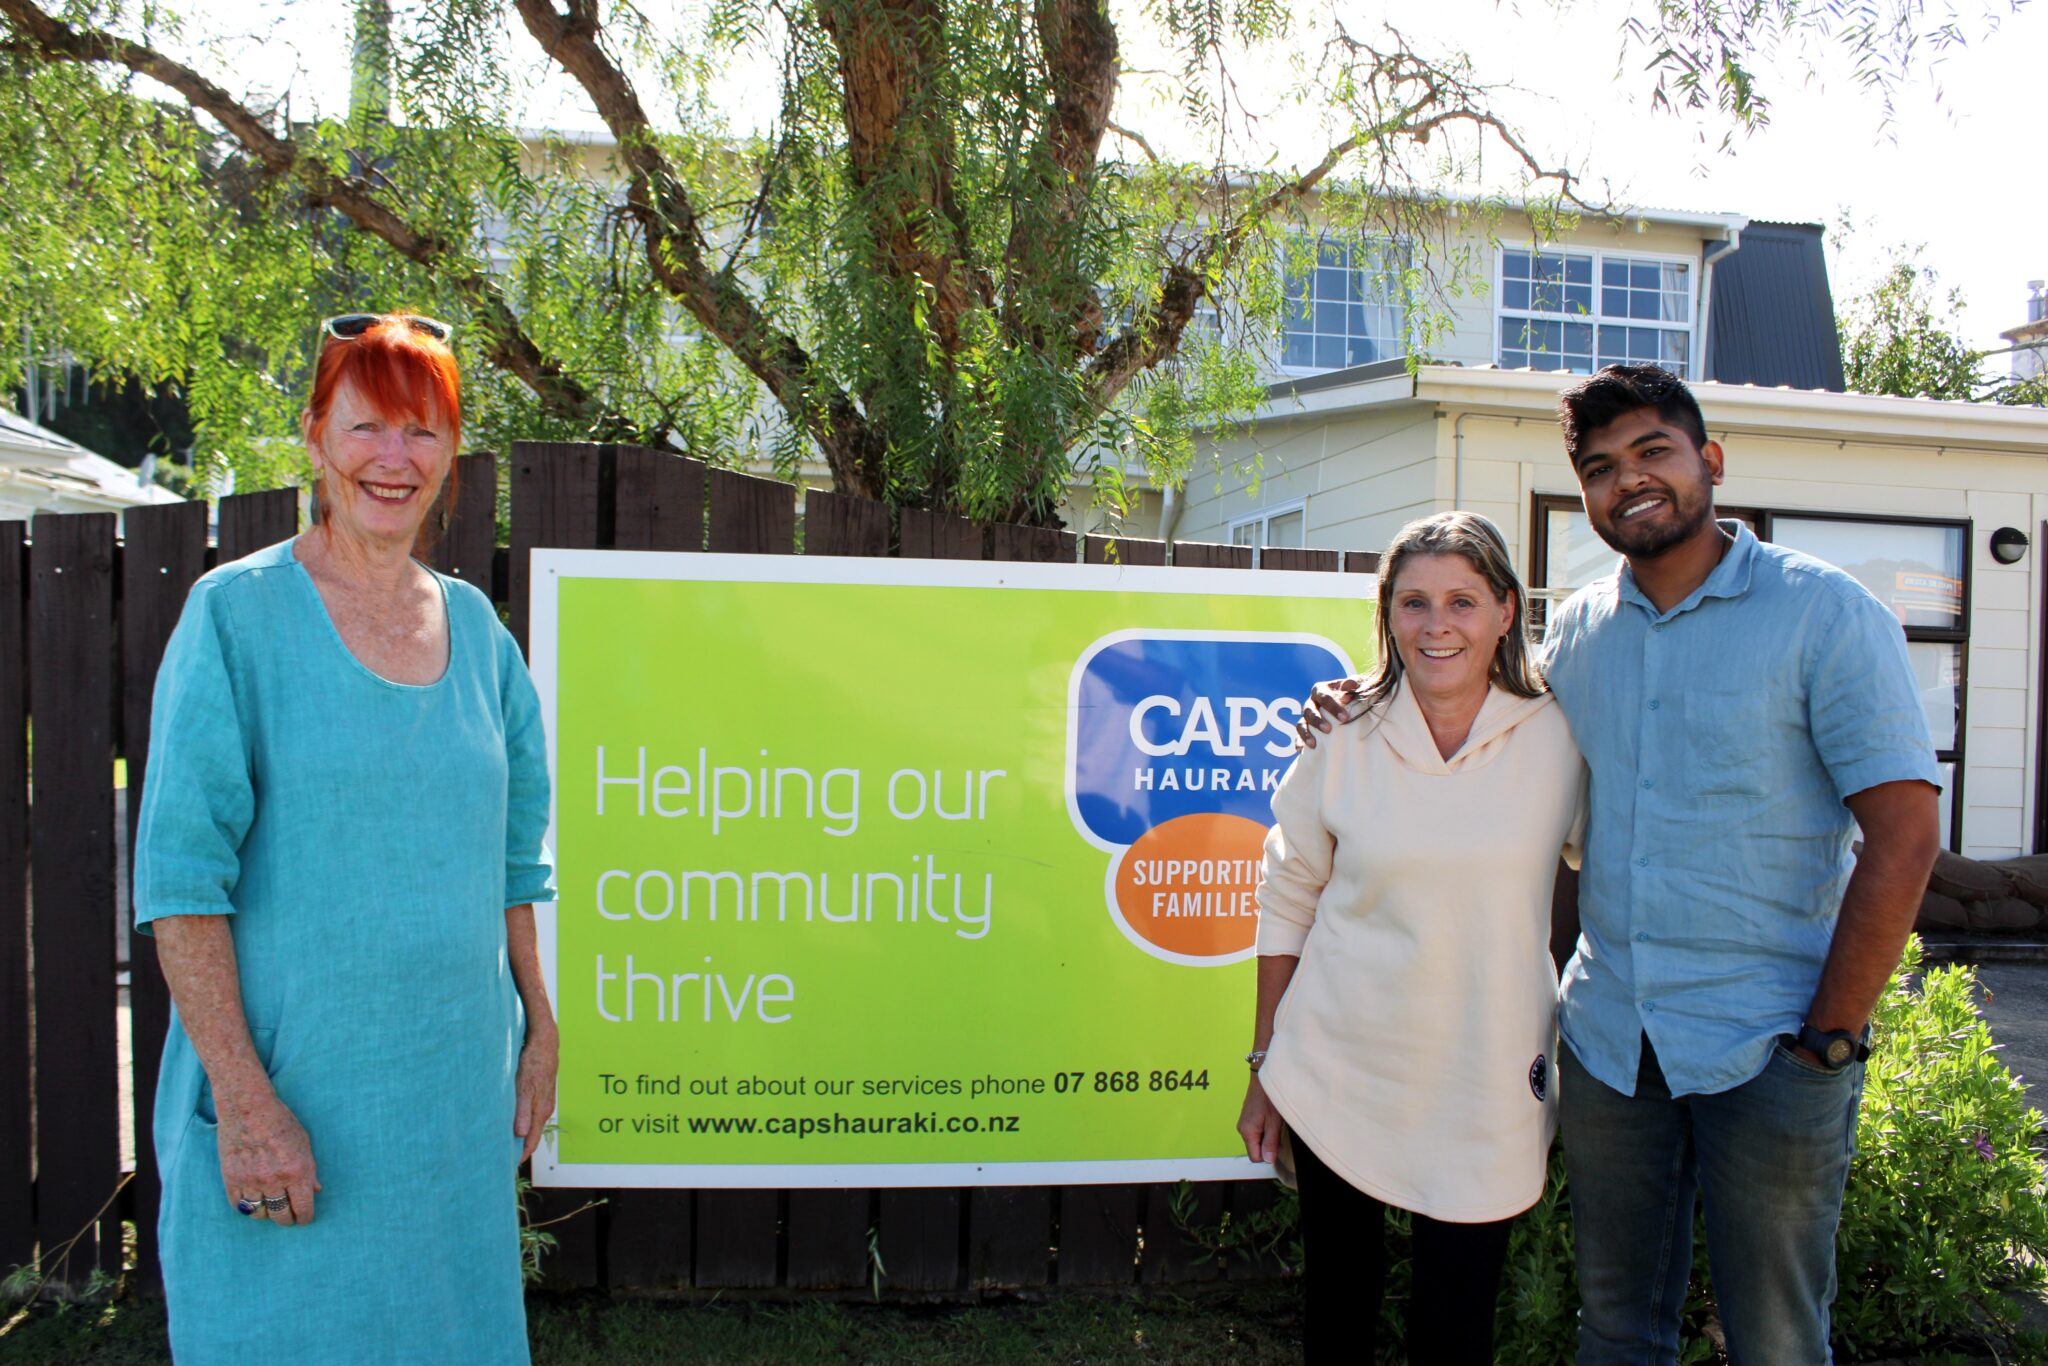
x=264 y=1040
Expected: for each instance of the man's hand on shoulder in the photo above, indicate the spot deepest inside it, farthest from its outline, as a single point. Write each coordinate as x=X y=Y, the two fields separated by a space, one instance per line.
x=1327 y=708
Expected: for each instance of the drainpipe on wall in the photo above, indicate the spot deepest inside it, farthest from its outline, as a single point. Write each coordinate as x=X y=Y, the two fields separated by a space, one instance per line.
x=1708 y=256
x=1458 y=462
x=28 y=376
x=1169 y=512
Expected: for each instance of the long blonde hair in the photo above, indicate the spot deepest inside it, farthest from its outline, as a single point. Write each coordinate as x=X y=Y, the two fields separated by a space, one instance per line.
x=1480 y=543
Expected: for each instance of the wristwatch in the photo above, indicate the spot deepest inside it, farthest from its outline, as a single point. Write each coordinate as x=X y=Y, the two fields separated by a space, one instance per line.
x=1835 y=1048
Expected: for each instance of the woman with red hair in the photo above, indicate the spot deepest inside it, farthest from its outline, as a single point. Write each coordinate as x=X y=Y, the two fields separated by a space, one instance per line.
x=339 y=850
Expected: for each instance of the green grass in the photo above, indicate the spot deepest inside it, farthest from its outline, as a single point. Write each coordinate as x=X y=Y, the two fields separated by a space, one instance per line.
x=1252 y=1324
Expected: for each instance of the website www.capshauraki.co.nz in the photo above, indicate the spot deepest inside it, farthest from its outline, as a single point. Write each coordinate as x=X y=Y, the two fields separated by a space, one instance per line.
x=834 y=1125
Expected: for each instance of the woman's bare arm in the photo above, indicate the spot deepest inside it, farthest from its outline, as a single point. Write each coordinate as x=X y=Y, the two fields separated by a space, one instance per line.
x=539 y=1057
x=263 y=1149
x=1258 y=1123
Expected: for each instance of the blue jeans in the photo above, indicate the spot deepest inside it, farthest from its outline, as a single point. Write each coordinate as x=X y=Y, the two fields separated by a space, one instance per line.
x=1769 y=1157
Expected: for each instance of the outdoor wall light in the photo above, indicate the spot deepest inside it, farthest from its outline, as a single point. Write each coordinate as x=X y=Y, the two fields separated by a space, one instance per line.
x=2008 y=545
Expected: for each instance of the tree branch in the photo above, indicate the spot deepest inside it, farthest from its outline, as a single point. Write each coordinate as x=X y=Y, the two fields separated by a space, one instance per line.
x=49 y=39
x=677 y=254
x=899 y=143
x=1078 y=45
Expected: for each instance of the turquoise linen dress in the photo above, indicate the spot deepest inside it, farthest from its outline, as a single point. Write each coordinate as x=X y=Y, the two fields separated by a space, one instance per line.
x=366 y=837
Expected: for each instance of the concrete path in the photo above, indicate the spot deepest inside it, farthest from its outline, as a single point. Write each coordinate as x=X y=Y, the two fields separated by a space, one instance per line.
x=2016 y=1004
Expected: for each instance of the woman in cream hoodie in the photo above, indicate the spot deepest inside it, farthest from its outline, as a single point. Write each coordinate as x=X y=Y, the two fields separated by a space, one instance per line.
x=1402 y=1053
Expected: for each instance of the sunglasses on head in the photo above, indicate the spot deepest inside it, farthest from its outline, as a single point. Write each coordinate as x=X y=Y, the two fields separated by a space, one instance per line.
x=349 y=326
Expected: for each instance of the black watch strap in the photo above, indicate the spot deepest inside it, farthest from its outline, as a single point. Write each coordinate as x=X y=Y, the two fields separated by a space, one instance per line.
x=1835 y=1048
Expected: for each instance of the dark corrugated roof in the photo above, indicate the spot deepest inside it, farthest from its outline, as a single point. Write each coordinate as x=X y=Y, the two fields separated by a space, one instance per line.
x=1773 y=318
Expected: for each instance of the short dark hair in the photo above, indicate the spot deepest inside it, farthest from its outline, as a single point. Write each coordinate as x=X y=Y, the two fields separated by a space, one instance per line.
x=1619 y=390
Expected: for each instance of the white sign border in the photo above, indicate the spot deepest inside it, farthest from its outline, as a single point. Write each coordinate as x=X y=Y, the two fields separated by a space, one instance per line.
x=550 y=567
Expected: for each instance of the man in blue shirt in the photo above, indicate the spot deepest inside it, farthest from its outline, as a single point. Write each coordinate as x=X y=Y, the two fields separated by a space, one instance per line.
x=1742 y=709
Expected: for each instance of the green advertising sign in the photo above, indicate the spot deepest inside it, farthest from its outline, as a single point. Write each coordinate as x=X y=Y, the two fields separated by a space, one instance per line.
x=889 y=872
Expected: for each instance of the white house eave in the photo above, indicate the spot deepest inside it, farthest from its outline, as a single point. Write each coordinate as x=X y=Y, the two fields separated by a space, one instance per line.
x=1807 y=413
x=1801 y=413
x=64 y=495
x=1292 y=406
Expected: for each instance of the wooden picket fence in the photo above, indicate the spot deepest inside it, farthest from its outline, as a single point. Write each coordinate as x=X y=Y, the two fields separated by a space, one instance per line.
x=85 y=613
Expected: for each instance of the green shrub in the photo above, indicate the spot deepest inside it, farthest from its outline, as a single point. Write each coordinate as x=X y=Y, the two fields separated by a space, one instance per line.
x=1947 y=1208
x=1946 y=1213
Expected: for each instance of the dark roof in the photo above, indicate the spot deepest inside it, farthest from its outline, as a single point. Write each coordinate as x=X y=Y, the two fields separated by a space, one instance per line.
x=1773 y=317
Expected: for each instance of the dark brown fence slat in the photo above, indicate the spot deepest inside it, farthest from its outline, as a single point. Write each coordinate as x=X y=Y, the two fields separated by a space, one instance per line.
x=555 y=497
x=751 y=516
x=1247 y=1200
x=251 y=521
x=1361 y=562
x=936 y=536
x=1009 y=1239
x=467 y=536
x=919 y=1238
x=1290 y=557
x=1099 y=1234
x=1564 y=916
x=658 y=500
x=828 y=1239
x=571 y=1264
x=17 y=1228
x=1170 y=1257
x=844 y=524
x=1123 y=550
x=737 y=1238
x=648 y=1242
x=71 y=843
x=163 y=551
x=1034 y=544
x=1203 y=555
x=554 y=506
x=1009 y=1228
x=828 y=1230
x=658 y=504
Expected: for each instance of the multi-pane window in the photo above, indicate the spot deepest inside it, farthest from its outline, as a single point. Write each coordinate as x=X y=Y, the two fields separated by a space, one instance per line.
x=1277 y=526
x=1579 y=310
x=1346 y=306
x=1915 y=568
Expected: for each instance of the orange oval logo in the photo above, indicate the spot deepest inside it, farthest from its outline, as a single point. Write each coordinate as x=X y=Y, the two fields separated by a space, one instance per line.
x=1186 y=890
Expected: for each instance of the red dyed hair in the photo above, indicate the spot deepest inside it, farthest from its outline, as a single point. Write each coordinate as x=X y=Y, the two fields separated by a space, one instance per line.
x=404 y=374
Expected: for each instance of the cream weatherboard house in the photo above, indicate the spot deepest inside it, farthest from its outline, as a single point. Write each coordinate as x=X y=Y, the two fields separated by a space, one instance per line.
x=1940 y=508
x=1352 y=440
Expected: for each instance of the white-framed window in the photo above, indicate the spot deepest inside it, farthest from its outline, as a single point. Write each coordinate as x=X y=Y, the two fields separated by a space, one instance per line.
x=1577 y=310
x=1284 y=525
x=1345 y=305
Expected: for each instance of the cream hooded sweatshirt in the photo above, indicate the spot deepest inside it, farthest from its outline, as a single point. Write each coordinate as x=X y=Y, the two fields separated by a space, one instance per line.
x=1415 y=1047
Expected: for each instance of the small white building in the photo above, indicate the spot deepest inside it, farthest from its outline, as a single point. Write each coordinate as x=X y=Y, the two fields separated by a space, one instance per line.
x=2029 y=341
x=41 y=471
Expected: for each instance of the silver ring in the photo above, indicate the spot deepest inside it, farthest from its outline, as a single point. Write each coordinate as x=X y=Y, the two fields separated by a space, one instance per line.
x=276 y=1204
x=248 y=1206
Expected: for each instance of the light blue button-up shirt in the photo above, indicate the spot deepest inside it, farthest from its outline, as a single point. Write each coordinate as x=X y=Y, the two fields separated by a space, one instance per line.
x=1722 y=738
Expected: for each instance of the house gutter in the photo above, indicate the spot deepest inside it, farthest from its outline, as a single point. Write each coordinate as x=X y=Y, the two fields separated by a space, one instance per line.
x=1728 y=246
